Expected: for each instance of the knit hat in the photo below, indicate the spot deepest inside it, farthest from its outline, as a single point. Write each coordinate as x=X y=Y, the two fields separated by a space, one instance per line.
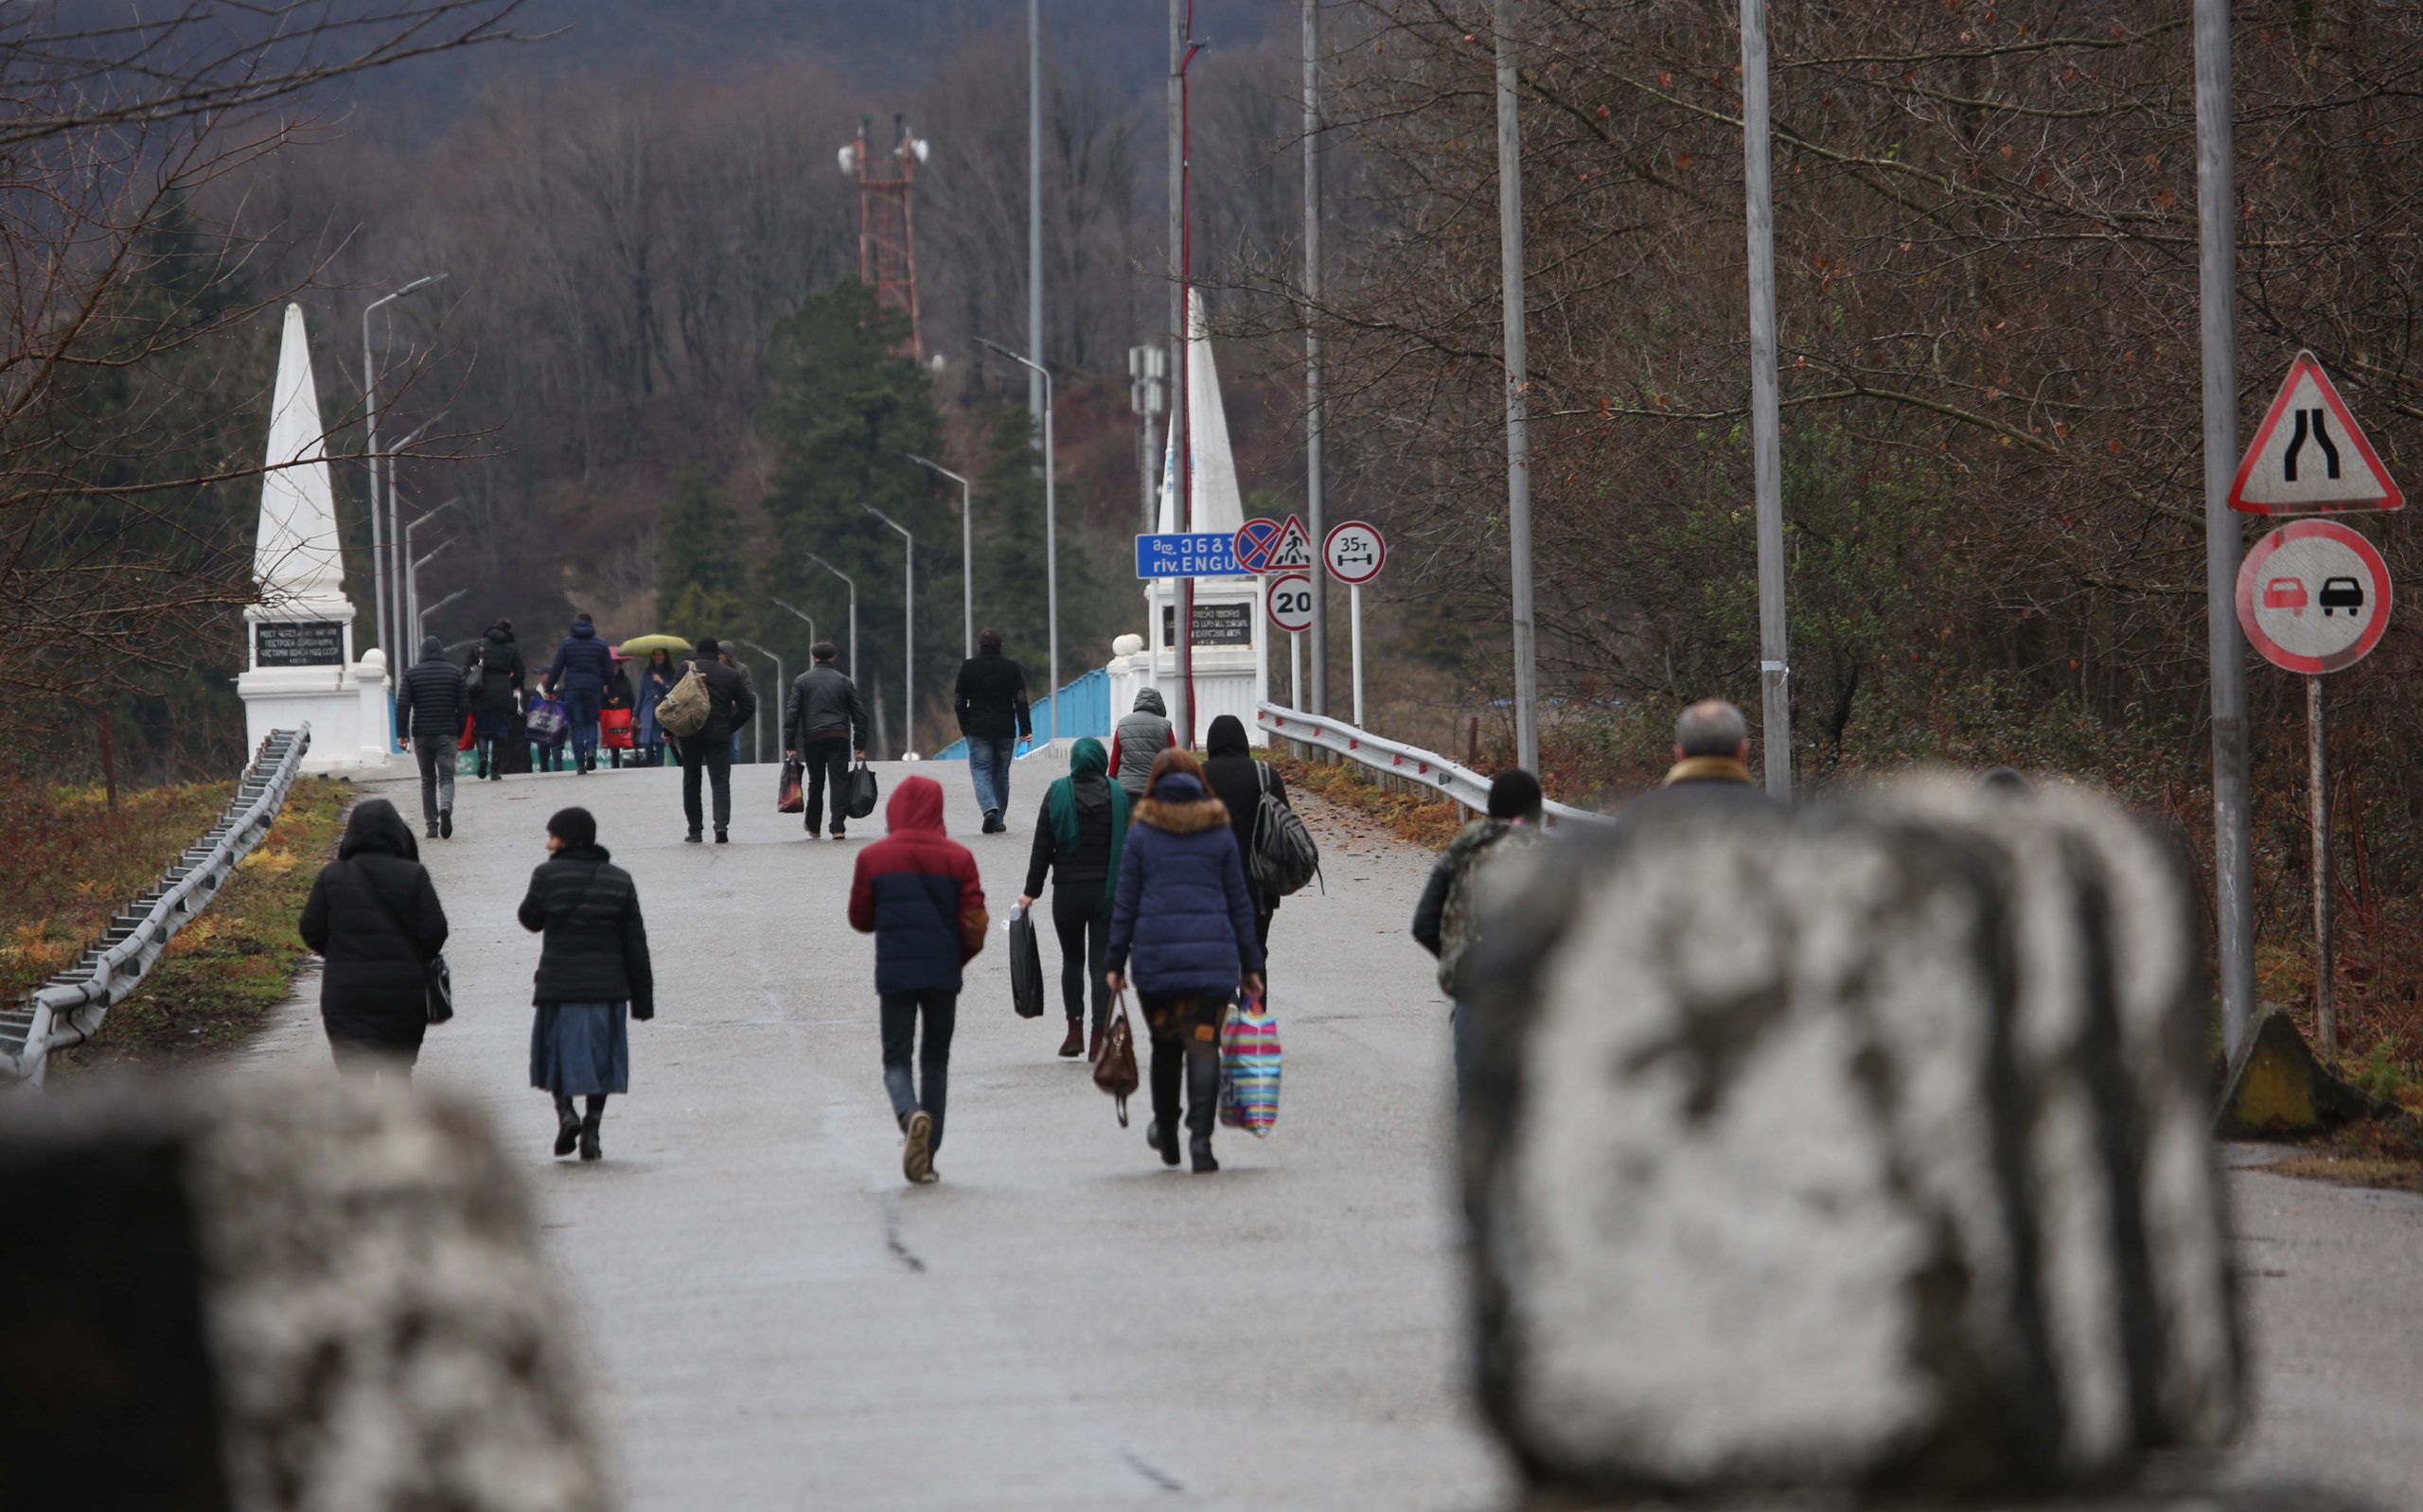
x=576 y=827
x=1513 y=794
x=708 y=648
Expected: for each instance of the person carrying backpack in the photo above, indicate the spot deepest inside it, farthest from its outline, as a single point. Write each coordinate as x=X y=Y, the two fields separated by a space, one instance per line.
x=705 y=750
x=494 y=672
x=917 y=892
x=1447 y=921
x=594 y=971
x=1239 y=781
x=374 y=917
x=1078 y=838
x=430 y=705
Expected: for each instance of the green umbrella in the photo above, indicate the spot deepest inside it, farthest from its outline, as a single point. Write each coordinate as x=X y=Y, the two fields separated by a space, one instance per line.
x=640 y=645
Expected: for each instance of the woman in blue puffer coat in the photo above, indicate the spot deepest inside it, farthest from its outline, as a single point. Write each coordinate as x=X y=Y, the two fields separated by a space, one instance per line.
x=1185 y=916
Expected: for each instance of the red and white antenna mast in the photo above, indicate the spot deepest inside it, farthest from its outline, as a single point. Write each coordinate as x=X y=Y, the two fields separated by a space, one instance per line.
x=887 y=227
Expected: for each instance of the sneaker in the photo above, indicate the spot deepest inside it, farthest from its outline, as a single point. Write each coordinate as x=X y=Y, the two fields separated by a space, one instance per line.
x=1201 y=1147
x=431 y=828
x=1163 y=1141
x=692 y=839
x=917 y=1160
x=445 y=824
x=840 y=834
x=1074 y=1044
x=993 y=824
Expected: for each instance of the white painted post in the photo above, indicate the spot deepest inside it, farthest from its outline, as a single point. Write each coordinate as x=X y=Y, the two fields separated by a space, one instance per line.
x=1355 y=620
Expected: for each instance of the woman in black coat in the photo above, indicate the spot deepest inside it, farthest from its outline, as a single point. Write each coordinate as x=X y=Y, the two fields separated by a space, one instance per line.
x=592 y=970
x=1237 y=779
x=374 y=917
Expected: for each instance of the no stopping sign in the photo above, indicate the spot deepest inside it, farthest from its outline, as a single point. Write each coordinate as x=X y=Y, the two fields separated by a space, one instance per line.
x=2314 y=597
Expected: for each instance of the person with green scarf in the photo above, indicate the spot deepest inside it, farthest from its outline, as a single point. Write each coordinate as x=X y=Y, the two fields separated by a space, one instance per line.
x=1078 y=838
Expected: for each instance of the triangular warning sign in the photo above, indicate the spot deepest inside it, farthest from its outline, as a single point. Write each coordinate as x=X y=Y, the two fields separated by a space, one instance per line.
x=1293 y=552
x=2310 y=456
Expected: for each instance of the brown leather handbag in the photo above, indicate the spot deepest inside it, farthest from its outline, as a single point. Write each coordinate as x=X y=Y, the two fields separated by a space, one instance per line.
x=1115 y=1069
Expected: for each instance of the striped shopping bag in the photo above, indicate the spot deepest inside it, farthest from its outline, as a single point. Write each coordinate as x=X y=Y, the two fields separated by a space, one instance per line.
x=1249 y=1068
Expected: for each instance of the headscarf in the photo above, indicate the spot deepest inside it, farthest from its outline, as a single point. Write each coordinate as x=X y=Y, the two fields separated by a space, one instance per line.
x=1087 y=759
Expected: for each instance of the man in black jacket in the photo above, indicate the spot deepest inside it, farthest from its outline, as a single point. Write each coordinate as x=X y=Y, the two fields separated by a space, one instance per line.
x=824 y=722
x=730 y=705
x=992 y=708
x=431 y=706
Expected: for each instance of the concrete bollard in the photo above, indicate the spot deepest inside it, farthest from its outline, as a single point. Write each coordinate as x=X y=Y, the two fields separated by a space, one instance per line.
x=1841 y=1152
x=369 y=1325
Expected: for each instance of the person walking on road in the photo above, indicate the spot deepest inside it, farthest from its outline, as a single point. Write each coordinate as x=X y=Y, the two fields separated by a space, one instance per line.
x=1139 y=739
x=824 y=723
x=1711 y=770
x=431 y=706
x=1238 y=781
x=374 y=917
x=615 y=720
x=1468 y=874
x=656 y=680
x=1184 y=918
x=584 y=666
x=708 y=753
x=991 y=702
x=594 y=974
x=547 y=727
x=1078 y=838
x=917 y=892
x=495 y=672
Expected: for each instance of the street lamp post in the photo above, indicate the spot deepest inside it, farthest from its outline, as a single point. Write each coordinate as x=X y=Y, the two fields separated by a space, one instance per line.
x=798 y=614
x=757 y=721
x=413 y=589
x=370 y=416
x=412 y=586
x=1051 y=525
x=439 y=604
x=854 y=609
x=396 y=541
x=966 y=554
x=908 y=629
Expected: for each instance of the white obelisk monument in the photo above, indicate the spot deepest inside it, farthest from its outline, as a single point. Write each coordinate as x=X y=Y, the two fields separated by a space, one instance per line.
x=301 y=666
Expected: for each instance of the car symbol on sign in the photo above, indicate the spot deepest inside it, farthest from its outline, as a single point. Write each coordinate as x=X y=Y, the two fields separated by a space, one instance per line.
x=2285 y=593
x=2341 y=593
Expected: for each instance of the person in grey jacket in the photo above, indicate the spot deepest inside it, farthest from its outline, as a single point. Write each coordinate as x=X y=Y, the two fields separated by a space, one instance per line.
x=1137 y=741
x=824 y=723
x=431 y=706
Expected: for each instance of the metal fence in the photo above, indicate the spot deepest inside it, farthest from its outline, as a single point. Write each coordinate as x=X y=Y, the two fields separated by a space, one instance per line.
x=1396 y=761
x=66 y=1010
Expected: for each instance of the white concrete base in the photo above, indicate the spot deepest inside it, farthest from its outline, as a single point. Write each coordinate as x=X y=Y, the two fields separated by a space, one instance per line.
x=346 y=707
x=1228 y=679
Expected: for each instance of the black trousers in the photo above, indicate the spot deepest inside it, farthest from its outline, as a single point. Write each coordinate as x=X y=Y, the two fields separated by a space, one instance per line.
x=708 y=756
x=1186 y=1049
x=1084 y=927
x=930 y=1090
x=828 y=767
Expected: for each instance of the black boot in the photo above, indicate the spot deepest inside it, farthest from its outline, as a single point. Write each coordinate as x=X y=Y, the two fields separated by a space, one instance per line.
x=1201 y=1149
x=1163 y=1139
x=445 y=824
x=588 y=1148
x=567 y=1125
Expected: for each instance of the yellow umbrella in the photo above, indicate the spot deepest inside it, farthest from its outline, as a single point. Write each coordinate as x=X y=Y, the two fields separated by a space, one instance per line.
x=640 y=645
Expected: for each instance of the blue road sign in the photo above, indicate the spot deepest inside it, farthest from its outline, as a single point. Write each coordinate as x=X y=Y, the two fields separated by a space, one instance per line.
x=1200 y=554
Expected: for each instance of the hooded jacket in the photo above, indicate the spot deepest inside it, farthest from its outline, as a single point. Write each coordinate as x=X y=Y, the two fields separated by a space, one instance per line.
x=596 y=946
x=990 y=698
x=1237 y=780
x=374 y=916
x=430 y=703
x=1138 y=740
x=498 y=660
x=1184 y=912
x=583 y=663
x=824 y=705
x=917 y=892
x=1081 y=829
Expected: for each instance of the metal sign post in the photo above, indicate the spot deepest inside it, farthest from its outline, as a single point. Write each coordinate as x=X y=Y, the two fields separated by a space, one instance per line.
x=1289 y=599
x=2326 y=986
x=1354 y=552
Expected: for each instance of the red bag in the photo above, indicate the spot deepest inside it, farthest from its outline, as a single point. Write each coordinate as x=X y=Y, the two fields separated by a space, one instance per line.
x=468 y=738
x=790 y=799
x=615 y=729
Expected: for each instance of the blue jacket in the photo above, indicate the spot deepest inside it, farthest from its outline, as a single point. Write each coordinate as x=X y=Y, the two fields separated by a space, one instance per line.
x=1183 y=911
x=917 y=892
x=584 y=663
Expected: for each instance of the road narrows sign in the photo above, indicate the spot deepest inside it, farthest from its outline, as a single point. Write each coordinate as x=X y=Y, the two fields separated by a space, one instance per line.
x=1355 y=552
x=2310 y=456
x=2314 y=597
x=1291 y=601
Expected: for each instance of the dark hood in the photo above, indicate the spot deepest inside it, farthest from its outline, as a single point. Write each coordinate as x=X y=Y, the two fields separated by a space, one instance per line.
x=1227 y=738
x=1149 y=700
x=917 y=804
x=499 y=634
x=375 y=828
x=583 y=630
x=432 y=648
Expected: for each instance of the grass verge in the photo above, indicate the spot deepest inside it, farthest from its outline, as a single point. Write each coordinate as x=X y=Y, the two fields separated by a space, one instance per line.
x=223 y=972
x=2386 y=1153
x=1426 y=821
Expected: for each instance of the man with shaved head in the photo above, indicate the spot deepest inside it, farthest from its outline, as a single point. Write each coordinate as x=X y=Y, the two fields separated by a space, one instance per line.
x=1711 y=767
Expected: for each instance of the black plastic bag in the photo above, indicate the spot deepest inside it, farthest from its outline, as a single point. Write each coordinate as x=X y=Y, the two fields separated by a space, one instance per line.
x=787 y=798
x=862 y=792
x=1026 y=966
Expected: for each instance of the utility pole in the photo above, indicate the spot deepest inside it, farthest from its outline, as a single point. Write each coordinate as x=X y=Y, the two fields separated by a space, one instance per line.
x=1313 y=508
x=854 y=609
x=1182 y=50
x=967 y=552
x=2216 y=217
x=1518 y=381
x=1035 y=399
x=1050 y=524
x=1766 y=416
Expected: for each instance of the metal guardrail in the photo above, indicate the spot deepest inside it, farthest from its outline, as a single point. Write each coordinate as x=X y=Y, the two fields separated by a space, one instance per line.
x=1391 y=758
x=66 y=1010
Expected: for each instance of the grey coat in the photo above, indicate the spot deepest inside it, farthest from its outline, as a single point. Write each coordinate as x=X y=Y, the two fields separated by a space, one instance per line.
x=1138 y=740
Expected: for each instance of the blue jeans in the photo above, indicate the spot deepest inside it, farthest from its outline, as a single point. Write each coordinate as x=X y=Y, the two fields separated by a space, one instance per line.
x=988 y=767
x=581 y=709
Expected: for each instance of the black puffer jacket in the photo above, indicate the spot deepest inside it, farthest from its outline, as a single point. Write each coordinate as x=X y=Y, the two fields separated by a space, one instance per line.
x=596 y=946
x=823 y=703
x=499 y=662
x=374 y=916
x=1237 y=780
x=430 y=703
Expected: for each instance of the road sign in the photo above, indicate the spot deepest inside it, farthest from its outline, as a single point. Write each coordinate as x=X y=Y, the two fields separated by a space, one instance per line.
x=2310 y=456
x=1355 y=552
x=2314 y=597
x=1198 y=553
x=1269 y=546
x=1291 y=601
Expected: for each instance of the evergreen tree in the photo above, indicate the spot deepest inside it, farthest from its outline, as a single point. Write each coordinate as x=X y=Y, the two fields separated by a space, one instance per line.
x=699 y=575
x=1010 y=582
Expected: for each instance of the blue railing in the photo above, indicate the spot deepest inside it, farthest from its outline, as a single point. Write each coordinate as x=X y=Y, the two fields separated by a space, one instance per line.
x=1085 y=709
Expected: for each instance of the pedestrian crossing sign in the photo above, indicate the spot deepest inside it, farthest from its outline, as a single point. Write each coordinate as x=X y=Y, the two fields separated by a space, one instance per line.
x=2310 y=456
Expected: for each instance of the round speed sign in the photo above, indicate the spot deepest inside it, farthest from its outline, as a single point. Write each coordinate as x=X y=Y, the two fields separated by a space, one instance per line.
x=1291 y=601
x=2314 y=597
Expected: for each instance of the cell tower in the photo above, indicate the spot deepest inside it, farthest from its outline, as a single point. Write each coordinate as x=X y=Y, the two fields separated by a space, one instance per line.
x=887 y=229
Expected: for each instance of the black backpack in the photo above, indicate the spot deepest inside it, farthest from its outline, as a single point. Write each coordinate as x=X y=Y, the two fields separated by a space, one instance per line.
x=1285 y=858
